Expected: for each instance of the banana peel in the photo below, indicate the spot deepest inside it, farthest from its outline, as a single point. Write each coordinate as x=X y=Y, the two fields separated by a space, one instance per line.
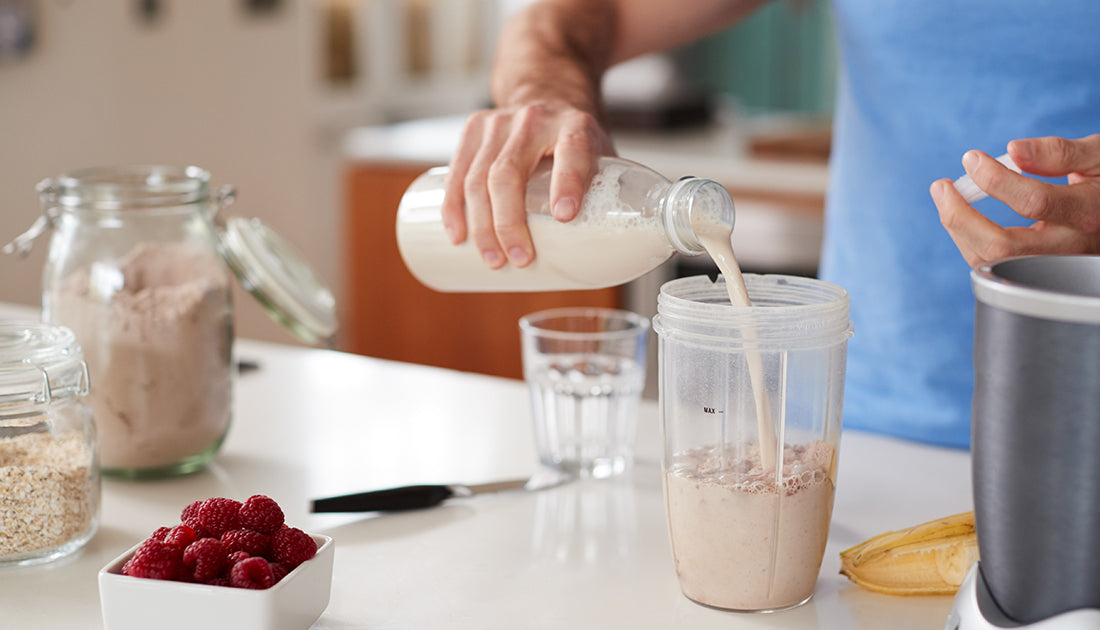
x=929 y=559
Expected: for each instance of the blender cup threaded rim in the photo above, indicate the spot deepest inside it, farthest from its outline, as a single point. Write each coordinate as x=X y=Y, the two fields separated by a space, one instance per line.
x=787 y=311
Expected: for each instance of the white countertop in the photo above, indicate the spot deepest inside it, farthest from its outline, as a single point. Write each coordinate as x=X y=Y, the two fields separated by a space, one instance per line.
x=595 y=554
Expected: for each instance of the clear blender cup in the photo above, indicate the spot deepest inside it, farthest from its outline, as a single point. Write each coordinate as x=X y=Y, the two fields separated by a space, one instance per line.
x=751 y=401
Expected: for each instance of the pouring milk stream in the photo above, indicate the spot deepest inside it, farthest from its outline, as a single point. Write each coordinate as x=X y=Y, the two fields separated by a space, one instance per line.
x=717 y=241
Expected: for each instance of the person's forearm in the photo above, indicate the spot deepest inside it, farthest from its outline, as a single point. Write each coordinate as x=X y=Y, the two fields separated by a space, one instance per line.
x=555 y=51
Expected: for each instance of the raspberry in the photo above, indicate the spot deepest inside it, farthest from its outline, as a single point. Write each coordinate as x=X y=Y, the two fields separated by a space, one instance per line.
x=205 y=558
x=278 y=571
x=237 y=556
x=252 y=542
x=180 y=537
x=218 y=514
x=252 y=573
x=156 y=560
x=262 y=514
x=196 y=526
x=191 y=511
x=224 y=542
x=160 y=534
x=291 y=546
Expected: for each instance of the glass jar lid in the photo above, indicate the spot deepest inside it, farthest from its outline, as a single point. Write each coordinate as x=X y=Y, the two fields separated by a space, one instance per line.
x=39 y=364
x=276 y=275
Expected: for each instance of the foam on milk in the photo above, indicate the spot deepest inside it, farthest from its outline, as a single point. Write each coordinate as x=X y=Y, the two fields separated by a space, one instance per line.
x=604 y=192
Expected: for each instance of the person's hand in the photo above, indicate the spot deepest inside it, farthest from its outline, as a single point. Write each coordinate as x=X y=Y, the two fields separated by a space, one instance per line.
x=1067 y=217
x=498 y=151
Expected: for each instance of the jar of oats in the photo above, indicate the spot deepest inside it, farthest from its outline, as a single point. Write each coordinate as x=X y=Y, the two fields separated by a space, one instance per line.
x=49 y=484
x=139 y=267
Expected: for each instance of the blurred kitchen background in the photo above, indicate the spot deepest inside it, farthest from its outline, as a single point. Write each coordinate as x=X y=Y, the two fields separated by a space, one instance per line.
x=320 y=112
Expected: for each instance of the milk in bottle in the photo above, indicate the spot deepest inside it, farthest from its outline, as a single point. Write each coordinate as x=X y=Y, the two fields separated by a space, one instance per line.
x=631 y=220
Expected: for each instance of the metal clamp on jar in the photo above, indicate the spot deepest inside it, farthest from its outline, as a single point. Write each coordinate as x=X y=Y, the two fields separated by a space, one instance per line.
x=138 y=267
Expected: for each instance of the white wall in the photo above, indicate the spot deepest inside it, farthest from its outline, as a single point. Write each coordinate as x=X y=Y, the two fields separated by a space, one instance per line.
x=206 y=84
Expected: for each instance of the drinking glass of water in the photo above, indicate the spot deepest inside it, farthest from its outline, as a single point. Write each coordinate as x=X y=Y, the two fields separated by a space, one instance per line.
x=585 y=368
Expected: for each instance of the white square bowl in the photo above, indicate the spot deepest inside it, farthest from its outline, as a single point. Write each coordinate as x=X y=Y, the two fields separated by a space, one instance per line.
x=294 y=603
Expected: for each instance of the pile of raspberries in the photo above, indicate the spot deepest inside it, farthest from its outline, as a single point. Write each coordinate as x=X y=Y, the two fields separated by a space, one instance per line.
x=223 y=542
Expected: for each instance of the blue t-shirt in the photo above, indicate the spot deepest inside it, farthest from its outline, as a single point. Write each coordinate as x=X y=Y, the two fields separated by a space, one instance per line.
x=922 y=82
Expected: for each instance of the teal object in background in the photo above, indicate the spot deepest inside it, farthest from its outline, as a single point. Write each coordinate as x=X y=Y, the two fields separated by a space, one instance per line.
x=781 y=58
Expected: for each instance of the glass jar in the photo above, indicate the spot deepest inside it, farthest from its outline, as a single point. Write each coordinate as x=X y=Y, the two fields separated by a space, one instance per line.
x=134 y=270
x=49 y=481
x=138 y=268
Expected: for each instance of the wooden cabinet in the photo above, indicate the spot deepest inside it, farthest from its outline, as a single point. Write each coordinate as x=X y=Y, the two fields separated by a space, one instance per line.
x=388 y=314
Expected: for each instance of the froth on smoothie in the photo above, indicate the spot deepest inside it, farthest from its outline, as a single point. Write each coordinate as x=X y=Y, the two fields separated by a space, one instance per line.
x=746 y=537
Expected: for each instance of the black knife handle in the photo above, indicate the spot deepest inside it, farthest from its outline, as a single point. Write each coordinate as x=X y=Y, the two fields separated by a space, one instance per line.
x=391 y=500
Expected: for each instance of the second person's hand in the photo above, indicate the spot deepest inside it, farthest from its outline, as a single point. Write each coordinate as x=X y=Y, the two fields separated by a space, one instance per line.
x=1067 y=217
x=498 y=151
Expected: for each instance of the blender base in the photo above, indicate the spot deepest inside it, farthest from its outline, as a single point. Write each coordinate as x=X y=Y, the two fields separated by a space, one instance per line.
x=968 y=614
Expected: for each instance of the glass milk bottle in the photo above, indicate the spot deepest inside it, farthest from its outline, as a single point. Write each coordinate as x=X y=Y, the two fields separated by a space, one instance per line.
x=139 y=268
x=631 y=220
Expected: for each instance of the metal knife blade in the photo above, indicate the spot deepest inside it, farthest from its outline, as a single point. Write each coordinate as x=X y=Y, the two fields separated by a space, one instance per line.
x=463 y=490
x=424 y=496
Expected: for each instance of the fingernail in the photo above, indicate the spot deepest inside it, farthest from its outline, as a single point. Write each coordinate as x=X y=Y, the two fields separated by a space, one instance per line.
x=937 y=191
x=1024 y=149
x=970 y=160
x=492 y=258
x=564 y=209
x=451 y=234
x=518 y=256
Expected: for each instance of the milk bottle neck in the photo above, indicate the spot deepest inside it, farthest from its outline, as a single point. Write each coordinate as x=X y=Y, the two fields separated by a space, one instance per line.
x=692 y=205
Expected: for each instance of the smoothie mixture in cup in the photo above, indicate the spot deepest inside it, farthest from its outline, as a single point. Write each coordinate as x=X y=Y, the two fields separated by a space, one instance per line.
x=749 y=483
